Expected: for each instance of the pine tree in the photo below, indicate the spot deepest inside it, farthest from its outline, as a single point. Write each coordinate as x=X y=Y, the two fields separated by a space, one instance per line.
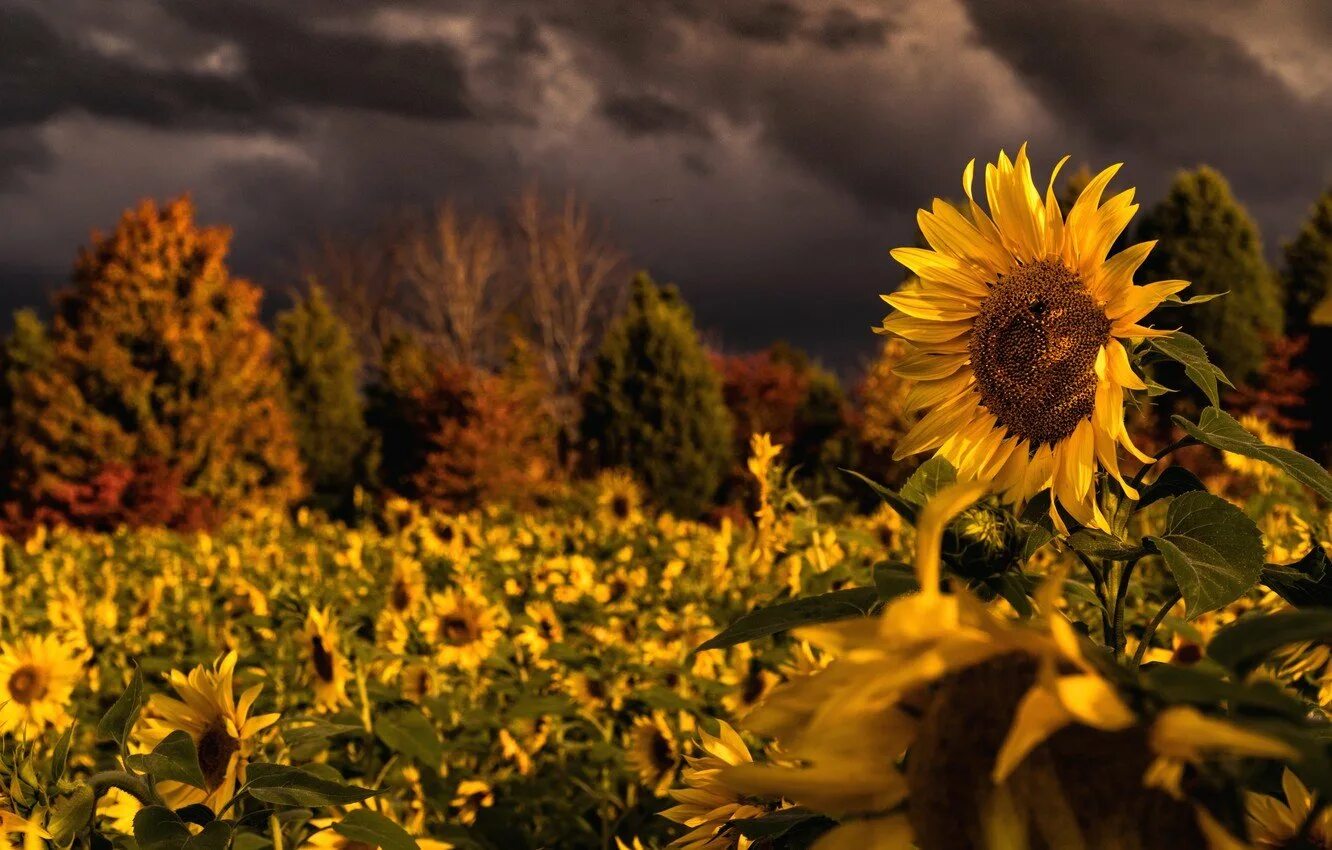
x=322 y=368
x=1205 y=236
x=654 y=402
x=158 y=367
x=1307 y=277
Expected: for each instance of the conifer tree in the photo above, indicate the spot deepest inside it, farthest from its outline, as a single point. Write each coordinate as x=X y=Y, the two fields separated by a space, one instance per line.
x=322 y=370
x=1205 y=236
x=158 y=365
x=1307 y=276
x=654 y=402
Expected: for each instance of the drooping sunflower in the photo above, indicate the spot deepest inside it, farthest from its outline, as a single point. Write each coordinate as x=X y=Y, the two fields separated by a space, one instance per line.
x=37 y=674
x=1019 y=320
x=223 y=729
x=653 y=751
x=326 y=665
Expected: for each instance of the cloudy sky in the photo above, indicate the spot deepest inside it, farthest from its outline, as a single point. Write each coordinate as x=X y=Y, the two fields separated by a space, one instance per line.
x=764 y=154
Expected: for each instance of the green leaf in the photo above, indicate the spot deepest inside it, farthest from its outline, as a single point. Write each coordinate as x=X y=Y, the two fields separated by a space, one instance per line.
x=214 y=836
x=1037 y=525
x=1173 y=481
x=778 y=824
x=1244 y=644
x=905 y=509
x=372 y=828
x=70 y=815
x=893 y=579
x=1189 y=353
x=1213 y=550
x=116 y=724
x=1098 y=544
x=196 y=813
x=283 y=785
x=932 y=476
x=174 y=759
x=1219 y=430
x=761 y=622
x=158 y=828
x=300 y=731
x=1306 y=583
x=1189 y=685
x=60 y=755
x=408 y=731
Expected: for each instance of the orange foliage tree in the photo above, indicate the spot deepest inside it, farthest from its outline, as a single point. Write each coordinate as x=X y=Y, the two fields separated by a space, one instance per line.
x=160 y=399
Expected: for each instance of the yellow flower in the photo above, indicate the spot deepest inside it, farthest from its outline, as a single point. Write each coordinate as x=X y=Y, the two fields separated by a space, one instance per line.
x=326 y=665
x=407 y=587
x=1018 y=320
x=472 y=796
x=13 y=824
x=707 y=802
x=223 y=729
x=1273 y=823
x=461 y=627
x=38 y=674
x=619 y=498
x=653 y=752
x=1262 y=474
x=327 y=838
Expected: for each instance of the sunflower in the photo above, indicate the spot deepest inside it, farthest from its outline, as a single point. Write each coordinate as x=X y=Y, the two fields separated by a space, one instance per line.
x=707 y=802
x=619 y=498
x=223 y=729
x=653 y=751
x=327 y=667
x=407 y=587
x=1018 y=319
x=942 y=723
x=471 y=797
x=461 y=627
x=1273 y=823
x=39 y=674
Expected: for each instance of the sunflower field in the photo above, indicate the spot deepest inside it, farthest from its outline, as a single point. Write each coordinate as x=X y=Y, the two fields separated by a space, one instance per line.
x=1047 y=637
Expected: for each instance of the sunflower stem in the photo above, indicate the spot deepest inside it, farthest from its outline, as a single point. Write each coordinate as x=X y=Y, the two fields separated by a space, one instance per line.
x=127 y=782
x=1181 y=443
x=1125 y=573
x=1150 y=631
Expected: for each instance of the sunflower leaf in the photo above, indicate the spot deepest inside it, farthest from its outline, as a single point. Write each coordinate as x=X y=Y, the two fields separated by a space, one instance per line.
x=159 y=828
x=761 y=622
x=120 y=718
x=1219 y=430
x=409 y=732
x=932 y=476
x=1305 y=583
x=905 y=509
x=1173 y=481
x=214 y=836
x=1189 y=353
x=175 y=759
x=372 y=828
x=71 y=814
x=1244 y=644
x=1213 y=550
x=60 y=755
x=1098 y=544
x=283 y=785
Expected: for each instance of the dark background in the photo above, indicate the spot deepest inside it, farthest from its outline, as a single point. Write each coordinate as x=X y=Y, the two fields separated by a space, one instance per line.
x=765 y=155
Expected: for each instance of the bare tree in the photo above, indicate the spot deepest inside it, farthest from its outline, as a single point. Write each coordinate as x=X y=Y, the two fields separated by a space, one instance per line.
x=363 y=280
x=574 y=277
x=455 y=266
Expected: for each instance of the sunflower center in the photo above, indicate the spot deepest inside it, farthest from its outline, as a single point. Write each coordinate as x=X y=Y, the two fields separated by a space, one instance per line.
x=401 y=595
x=620 y=507
x=660 y=751
x=27 y=685
x=1033 y=351
x=458 y=630
x=322 y=658
x=216 y=746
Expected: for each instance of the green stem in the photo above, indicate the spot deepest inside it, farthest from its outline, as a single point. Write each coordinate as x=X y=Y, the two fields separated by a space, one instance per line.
x=1182 y=442
x=127 y=782
x=1098 y=586
x=1126 y=572
x=1152 y=626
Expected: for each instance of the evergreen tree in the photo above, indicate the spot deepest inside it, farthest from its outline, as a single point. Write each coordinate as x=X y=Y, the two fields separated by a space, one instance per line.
x=1307 y=277
x=654 y=402
x=322 y=369
x=158 y=367
x=393 y=412
x=1206 y=237
x=824 y=441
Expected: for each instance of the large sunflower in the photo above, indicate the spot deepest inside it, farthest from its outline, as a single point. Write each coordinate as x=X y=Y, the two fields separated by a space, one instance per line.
x=1018 y=321
x=37 y=677
x=222 y=727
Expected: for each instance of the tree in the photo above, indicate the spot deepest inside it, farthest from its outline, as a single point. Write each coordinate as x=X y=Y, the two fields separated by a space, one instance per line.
x=158 y=367
x=883 y=419
x=321 y=370
x=1307 y=276
x=654 y=402
x=456 y=265
x=362 y=276
x=1205 y=236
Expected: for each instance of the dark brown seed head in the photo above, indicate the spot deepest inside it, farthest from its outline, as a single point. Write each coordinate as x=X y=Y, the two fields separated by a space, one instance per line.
x=1033 y=351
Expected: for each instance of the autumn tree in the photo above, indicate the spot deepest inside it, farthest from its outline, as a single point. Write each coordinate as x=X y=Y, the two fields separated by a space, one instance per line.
x=322 y=375
x=362 y=277
x=158 y=368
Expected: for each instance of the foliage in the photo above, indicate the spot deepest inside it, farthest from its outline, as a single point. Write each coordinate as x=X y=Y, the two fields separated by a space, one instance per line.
x=322 y=376
x=654 y=404
x=1206 y=237
x=1306 y=277
x=158 y=362
x=883 y=418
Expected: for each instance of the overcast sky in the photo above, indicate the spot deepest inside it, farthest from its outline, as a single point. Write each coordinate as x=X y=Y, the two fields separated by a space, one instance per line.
x=764 y=155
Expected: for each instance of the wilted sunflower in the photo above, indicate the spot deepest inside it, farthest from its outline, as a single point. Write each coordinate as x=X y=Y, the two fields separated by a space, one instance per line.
x=653 y=752
x=942 y=723
x=326 y=665
x=461 y=627
x=1018 y=320
x=38 y=674
x=222 y=727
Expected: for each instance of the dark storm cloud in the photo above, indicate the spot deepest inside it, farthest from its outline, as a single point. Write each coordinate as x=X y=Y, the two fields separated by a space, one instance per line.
x=765 y=153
